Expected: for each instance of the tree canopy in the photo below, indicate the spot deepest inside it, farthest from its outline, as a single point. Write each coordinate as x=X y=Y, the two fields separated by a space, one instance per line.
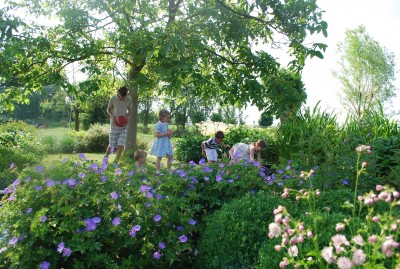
x=211 y=44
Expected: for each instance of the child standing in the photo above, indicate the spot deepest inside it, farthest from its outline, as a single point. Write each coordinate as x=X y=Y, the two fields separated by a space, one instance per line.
x=209 y=147
x=162 y=145
x=242 y=151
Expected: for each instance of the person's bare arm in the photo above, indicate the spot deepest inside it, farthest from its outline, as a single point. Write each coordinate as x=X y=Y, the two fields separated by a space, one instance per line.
x=252 y=151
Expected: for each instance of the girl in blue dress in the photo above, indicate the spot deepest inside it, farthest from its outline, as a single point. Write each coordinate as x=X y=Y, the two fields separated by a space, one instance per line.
x=162 y=144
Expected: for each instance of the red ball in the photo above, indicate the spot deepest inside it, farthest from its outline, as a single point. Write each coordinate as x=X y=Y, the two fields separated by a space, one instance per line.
x=122 y=121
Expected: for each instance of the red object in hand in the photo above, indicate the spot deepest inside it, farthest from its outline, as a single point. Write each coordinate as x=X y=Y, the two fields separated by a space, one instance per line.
x=121 y=121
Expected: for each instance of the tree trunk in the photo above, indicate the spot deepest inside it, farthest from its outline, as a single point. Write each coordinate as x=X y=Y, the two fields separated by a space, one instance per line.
x=76 y=111
x=132 y=123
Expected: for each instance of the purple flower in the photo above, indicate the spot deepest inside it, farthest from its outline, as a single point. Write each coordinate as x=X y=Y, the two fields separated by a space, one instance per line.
x=262 y=174
x=38 y=188
x=147 y=204
x=93 y=167
x=180 y=228
x=288 y=167
x=13 y=241
x=218 y=178
x=192 y=163
x=51 y=183
x=112 y=150
x=82 y=156
x=114 y=195
x=119 y=207
x=182 y=238
x=192 y=222
x=39 y=169
x=207 y=169
x=90 y=225
x=149 y=194
x=162 y=245
x=118 y=172
x=43 y=218
x=116 y=221
x=44 y=265
x=344 y=181
x=206 y=178
x=103 y=178
x=82 y=175
x=28 y=179
x=280 y=171
x=96 y=220
x=144 y=188
x=29 y=210
x=157 y=218
x=60 y=247
x=158 y=196
x=221 y=165
x=12 y=166
x=67 y=252
x=230 y=181
x=156 y=255
x=202 y=161
x=134 y=229
x=182 y=174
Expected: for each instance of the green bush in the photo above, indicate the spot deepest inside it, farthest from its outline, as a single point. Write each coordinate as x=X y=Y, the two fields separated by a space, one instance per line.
x=96 y=138
x=232 y=236
x=18 y=146
x=189 y=148
x=68 y=144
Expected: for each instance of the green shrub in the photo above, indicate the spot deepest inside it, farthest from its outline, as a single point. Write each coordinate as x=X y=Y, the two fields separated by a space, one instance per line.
x=189 y=148
x=68 y=144
x=233 y=235
x=17 y=126
x=50 y=144
x=96 y=138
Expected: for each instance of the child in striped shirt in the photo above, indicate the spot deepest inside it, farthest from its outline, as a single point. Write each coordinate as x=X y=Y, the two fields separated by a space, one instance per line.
x=209 y=147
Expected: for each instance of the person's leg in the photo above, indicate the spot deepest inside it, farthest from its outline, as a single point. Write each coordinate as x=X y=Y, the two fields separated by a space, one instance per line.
x=113 y=141
x=212 y=155
x=169 y=162
x=121 y=142
x=158 y=164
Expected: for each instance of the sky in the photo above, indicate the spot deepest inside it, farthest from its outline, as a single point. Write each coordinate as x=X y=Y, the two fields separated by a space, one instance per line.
x=381 y=20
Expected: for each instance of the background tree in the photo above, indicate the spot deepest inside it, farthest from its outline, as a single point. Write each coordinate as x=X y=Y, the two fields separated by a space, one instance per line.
x=285 y=94
x=210 y=42
x=217 y=116
x=265 y=119
x=367 y=72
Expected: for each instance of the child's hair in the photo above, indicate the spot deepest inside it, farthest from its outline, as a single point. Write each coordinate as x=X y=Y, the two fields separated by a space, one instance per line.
x=139 y=154
x=219 y=135
x=123 y=91
x=162 y=113
x=261 y=143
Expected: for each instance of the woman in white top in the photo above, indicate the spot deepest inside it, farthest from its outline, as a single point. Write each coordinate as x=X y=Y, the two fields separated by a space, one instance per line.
x=242 y=151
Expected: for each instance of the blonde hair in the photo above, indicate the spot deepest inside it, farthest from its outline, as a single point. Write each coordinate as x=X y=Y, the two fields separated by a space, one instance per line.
x=139 y=154
x=162 y=113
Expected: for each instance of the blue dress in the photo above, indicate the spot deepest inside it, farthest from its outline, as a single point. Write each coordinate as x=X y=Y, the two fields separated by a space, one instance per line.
x=161 y=146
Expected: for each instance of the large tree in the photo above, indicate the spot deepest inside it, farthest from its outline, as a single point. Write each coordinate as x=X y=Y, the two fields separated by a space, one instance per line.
x=212 y=43
x=367 y=72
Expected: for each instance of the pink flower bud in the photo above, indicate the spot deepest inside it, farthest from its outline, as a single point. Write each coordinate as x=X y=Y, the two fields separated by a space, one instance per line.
x=318 y=193
x=372 y=239
x=277 y=247
x=364 y=164
x=360 y=198
x=379 y=187
x=300 y=239
x=339 y=227
x=396 y=194
x=309 y=234
x=375 y=218
x=298 y=197
x=301 y=227
x=284 y=195
x=394 y=227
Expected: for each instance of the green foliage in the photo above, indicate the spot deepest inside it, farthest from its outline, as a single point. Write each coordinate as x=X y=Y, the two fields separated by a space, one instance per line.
x=216 y=117
x=95 y=112
x=96 y=138
x=265 y=120
x=189 y=148
x=234 y=234
x=309 y=137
